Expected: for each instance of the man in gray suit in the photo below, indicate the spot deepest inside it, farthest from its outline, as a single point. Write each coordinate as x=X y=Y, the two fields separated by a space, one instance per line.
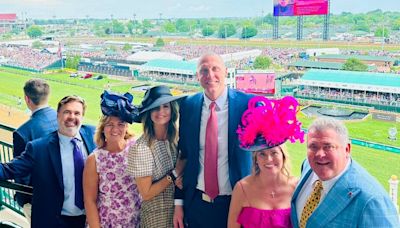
x=334 y=190
x=42 y=122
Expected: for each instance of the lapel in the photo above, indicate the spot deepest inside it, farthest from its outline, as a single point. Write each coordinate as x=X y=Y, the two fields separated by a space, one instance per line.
x=195 y=118
x=341 y=195
x=233 y=121
x=55 y=157
x=303 y=180
x=87 y=139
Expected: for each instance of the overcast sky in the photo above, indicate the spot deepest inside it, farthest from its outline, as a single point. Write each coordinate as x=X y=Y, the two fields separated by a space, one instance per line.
x=168 y=8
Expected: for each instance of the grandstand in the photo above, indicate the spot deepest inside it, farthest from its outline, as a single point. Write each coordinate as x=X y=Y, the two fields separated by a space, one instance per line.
x=180 y=71
x=377 y=90
x=306 y=64
x=366 y=59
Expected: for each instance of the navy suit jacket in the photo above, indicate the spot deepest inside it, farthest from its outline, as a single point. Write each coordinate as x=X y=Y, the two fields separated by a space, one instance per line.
x=356 y=200
x=41 y=123
x=42 y=159
x=189 y=136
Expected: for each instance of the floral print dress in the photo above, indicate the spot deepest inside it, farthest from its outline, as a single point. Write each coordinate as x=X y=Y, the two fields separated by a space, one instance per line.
x=118 y=199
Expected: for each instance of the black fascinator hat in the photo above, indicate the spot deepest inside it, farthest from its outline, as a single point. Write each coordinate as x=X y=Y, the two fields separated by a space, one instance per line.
x=155 y=97
x=114 y=104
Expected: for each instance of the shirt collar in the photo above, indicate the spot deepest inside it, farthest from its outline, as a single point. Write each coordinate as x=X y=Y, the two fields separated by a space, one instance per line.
x=328 y=184
x=66 y=139
x=39 y=108
x=220 y=101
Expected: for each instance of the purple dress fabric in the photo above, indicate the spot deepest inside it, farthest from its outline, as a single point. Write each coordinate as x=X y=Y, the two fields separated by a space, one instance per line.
x=118 y=199
x=251 y=217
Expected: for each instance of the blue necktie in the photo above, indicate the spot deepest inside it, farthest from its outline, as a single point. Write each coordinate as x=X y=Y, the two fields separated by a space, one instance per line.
x=78 y=172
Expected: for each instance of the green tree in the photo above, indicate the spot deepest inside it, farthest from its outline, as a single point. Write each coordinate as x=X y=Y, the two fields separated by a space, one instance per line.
x=169 y=27
x=262 y=62
x=118 y=27
x=34 y=31
x=160 y=42
x=182 y=25
x=207 y=30
x=37 y=45
x=396 y=24
x=130 y=25
x=353 y=64
x=382 y=32
x=226 y=30
x=248 y=31
x=72 y=62
x=127 y=47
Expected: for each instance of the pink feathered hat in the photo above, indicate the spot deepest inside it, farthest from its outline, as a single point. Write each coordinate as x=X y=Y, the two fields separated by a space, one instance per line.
x=268 y=123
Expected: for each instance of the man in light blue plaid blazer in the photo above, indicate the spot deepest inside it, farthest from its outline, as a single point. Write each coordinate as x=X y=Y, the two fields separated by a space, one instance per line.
x=351 y=197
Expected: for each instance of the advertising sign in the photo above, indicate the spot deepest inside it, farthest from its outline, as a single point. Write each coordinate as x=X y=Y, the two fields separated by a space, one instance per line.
x=256 y=82
x=300 y=7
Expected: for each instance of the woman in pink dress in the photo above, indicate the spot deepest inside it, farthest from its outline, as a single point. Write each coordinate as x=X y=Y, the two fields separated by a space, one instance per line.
x=263 y=198
x=110 y=193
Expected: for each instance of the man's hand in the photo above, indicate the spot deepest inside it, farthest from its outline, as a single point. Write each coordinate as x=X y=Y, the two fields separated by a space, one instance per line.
x=179 y=182
x=178 y=217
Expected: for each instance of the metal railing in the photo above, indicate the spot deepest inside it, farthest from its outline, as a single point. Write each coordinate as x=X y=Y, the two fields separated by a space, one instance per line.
x=8 y=188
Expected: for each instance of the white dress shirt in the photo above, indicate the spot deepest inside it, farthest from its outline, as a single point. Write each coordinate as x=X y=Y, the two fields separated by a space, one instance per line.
x=67 y=162
x=309 y=185
x=224 y=184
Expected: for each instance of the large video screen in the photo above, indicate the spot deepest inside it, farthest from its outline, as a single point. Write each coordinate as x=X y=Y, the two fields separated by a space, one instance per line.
x=300 y=7
x=256 y=82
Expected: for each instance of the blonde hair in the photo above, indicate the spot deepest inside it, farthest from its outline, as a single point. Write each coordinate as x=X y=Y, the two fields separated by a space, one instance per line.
x=286 y=167
x=100 y=138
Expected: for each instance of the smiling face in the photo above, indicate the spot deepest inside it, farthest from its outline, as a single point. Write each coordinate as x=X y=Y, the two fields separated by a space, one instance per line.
x=270 y=160
x=69 y=117
x=161 y=115
x=327 y=153
x=211 y=73
x=115 y=130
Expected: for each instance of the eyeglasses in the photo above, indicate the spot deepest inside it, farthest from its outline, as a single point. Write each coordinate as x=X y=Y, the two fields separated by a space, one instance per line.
x=328 y=148
x=204 y=70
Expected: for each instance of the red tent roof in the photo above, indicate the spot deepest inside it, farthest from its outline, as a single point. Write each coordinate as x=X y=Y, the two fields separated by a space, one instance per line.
x=8 y=16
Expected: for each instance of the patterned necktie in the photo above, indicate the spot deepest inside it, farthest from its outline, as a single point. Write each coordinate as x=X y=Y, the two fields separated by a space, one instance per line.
x=211 y=154
x=311 y=204
x=78 y=172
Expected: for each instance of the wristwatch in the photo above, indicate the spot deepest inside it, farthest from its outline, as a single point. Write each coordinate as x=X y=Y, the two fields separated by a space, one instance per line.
x=169 y=178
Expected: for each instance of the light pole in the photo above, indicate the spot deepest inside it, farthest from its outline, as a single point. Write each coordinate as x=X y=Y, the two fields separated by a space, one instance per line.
x=134 y=24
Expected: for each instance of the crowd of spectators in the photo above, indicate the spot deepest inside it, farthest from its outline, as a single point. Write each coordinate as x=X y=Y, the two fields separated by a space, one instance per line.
x=388 y=99
x=26 y=57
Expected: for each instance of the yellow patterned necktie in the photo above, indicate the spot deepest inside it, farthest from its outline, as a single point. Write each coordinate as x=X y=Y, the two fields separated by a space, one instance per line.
x=311 y=203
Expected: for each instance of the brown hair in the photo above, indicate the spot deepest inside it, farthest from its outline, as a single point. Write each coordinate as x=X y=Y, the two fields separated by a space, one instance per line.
x=37 y=90
x=172 y=131
x=100 y=138
x=71 y=98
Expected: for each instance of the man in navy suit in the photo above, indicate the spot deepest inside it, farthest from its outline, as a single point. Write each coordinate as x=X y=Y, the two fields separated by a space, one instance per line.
x=350 y=196
x=200 y=209
x=51 y=161
x=42 y=122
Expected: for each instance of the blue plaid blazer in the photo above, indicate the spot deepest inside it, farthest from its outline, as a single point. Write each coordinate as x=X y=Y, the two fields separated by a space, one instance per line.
x=355 y=200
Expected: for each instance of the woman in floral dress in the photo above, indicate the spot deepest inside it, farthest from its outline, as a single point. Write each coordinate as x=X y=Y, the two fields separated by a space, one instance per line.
x=111 y=194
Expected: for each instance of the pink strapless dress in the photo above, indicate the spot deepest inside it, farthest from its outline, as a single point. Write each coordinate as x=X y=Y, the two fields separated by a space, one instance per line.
x=251 y=217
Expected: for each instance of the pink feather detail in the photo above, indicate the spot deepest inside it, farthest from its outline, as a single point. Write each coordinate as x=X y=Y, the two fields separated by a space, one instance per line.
x=274 y=120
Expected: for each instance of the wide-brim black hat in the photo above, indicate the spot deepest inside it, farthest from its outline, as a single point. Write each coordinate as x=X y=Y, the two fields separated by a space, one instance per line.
x=155 y=97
